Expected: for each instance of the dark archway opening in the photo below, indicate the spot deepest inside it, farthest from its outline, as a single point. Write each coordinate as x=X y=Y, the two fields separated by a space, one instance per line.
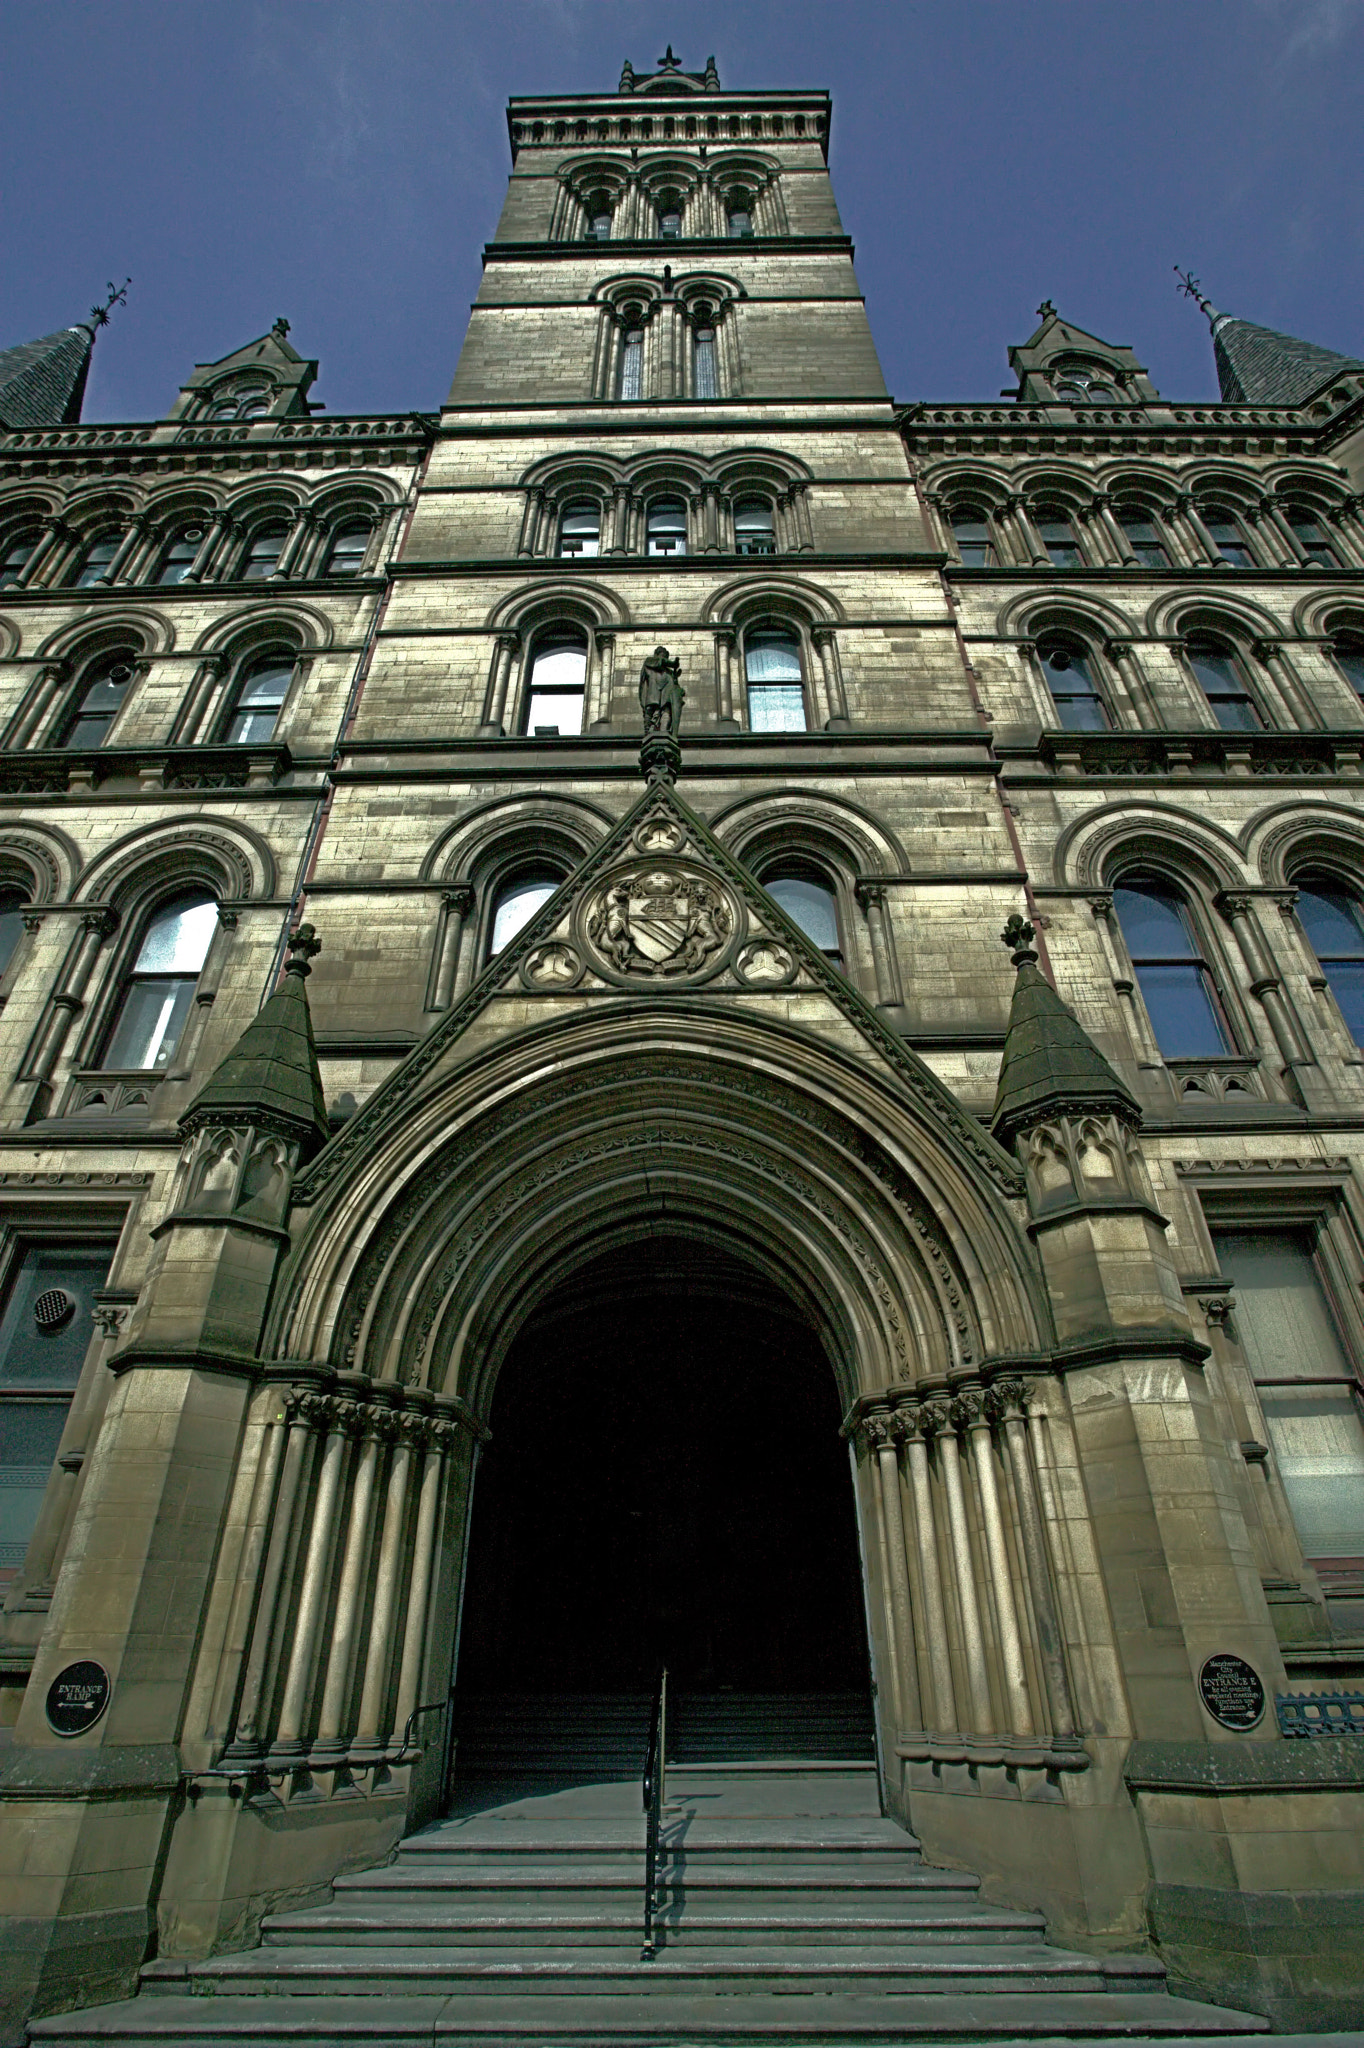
x=666 y=1483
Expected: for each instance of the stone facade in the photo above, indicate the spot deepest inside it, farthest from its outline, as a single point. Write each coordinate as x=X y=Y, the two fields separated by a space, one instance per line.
x=944 y=665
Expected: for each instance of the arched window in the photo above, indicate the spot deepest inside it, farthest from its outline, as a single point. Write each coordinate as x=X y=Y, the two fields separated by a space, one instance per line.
x=13 y=904
x=1218 y=674
x=666 y=527
x=1058 y=537
x=1330 y=916
x=97 y=558
x=1143 y=537
x=558 y=679
x=178 y=559
x=1176 y=985
x=256 y=702
x=1069 y=670
x=1084 y=384
x=18 y=555
x=160 y=987
x=263 y=552
x=516 y=905
x=971 y=532
x=632 y=363
x=1348 y=649
x=599 y=217
x=99 y=703
x=704 y=378
x=1313 y=542
x=739 y=217
x=1227 y=536
x=669 y=216
x=246 y=404
x=755 y=530
x=580 y=528
x=812 y=905
x=350 y=545
x=776 y=683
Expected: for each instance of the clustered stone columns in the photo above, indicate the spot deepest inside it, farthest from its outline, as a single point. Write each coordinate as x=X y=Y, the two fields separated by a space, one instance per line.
x=983 y=1678
x=348 y=1497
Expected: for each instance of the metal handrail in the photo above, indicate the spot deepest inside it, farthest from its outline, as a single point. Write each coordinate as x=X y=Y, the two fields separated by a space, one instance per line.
x=655 y=1774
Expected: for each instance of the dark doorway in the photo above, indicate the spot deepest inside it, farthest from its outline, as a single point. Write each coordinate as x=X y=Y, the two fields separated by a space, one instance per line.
x=666 y=1483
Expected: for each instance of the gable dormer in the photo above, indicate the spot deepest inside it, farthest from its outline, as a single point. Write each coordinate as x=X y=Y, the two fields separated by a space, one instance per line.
x=266 y=379
x=1061 y=364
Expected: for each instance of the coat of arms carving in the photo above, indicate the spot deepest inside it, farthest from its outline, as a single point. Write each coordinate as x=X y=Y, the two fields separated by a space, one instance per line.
x=659 y=922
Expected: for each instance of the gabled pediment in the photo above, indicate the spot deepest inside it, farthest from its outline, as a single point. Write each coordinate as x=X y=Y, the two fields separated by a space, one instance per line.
x=660 y=910
x=268 y=364
x=1058 y=345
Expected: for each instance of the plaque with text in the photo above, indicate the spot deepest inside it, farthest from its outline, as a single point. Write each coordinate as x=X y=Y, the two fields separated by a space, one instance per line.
x=77 y=1697
x=1232 y=1691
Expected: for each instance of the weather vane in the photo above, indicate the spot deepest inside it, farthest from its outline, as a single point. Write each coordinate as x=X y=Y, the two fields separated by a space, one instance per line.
x=1191 y=287
x=118 y=296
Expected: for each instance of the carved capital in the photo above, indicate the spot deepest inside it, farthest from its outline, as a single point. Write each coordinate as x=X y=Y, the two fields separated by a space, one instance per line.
x=509 y=642
x=459 y=898
x=101 y=924
x=870 y=894
x=1216 y=1308
x=1102 y=904
x=969 y=1410
x=822 y=635
x=938 y=1419
x=1265 y=650
x=1233 y=905
x=108 y=1318
x=1117 y=650
x=1007 y=1400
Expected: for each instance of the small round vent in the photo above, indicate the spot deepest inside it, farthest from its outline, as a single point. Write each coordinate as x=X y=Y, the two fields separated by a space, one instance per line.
x=53 y=1308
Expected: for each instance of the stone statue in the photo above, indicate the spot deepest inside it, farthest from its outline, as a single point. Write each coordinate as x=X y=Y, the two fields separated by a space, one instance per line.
x=661 y=695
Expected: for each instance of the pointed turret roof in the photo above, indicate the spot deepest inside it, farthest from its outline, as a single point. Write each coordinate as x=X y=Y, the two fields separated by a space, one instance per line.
x=270 y=1077
x=42 y=383
x=1051 y=1065
x=1260 y=366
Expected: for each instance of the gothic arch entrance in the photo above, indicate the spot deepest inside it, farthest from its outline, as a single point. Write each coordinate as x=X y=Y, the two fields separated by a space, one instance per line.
x=665 y=1483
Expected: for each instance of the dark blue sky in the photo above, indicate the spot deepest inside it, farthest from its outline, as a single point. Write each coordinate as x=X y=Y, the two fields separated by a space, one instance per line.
x=341 y=162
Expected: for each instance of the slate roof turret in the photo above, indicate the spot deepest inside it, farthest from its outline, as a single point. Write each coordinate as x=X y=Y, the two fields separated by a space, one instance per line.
x=1260 y=366
x=1051 y=1066
x=42 y=383
x=270 y=1078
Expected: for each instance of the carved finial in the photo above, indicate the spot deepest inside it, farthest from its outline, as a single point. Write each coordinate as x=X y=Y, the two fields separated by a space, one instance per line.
x=668 y=62
x=1018 y=936
x=280 y=329
x=1046 y=311
x=627 y=77
x=1192 y=289
x=303 y=945
x=118 y=296
x=712 y=76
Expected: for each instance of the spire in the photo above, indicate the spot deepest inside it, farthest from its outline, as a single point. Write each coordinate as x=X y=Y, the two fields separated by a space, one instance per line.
x=270 y=1077
x=1260 y=366
x=1051 y=1066
x=42 y=383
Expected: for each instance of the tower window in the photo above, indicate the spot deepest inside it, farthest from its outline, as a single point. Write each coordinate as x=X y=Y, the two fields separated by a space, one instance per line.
x=160 y=988
x=97 y=558
x=1330 y=916
x=1075 y=692
x=972 y=535
x=666 y=527
x=1081 y=384
x=1348 y=650
x=703 y=364
x=1058 y=538
x=1308 y=1391
x=739 y=219
x=1172 y=975
x=178 y=559
x=350 y=545
x=632 y=363
x=17 y=555
x=669 y=216
x=263 y=553
x=813 y=907
x=1144 y=540
x=1224 y=531
x=241 y=405
x=99 y=703
x=1219 y=677
x=1313 y=542
x=580 y=528
x=755 y=531
x=599 y=219
x=558 y=680
x=516 y=906
x=258 y=701
x=776 y=684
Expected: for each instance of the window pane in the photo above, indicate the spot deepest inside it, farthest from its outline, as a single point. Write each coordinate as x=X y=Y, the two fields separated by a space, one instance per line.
x=667 y=527
x=100 y=701
x=1318 y=1440
x=740 y=223
x=1143 y=539
x=809 y=906
x=580 y=529
x=46 y=1327
x=16 y=556
x=1226 y=537
x=755 y=530
x=1080 y=713
x=12 y=908
x=972 y=535
x=97 y=559
x=772 y=658
x=704 y=362
x=559 y=668
x=150 y=1021
x=776 y=707
x=632 y=366
x=1058 y=539
x=1350 y=655
x=600 y=227
x=1152 y=925
x=670 y=224
x=1282 y=1319
x=558 y=711
x=348 y=551
x=258 y=704
x=1183 y=1015
x=178 y=559
x=177 y=941
x=30 y=1432
x=1330 y=921
x=263 y=554
x=516 y=909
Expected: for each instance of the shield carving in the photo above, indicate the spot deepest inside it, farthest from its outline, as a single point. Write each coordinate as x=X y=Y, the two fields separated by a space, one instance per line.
x=660 y=916
x=659 y=921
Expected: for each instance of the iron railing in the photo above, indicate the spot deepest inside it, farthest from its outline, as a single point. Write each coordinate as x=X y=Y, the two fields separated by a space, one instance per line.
x=655 y=1772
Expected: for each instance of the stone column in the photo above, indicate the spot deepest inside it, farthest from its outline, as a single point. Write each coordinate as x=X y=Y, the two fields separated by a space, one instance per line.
x=939 y=1417
x=329 y=1745
x=825 y=639
x=1124 y=981
x=49 y=681
x=456 y=904
x=710 y=520
x=1123 y=549
x=930 y=1574
x=1279 y=541
x=882 y=1435
x=289 y=1745
x=1006 y=1398
x=620 y=521
x=68 y=998
x=413 y=1433
x=1201 y=544
x=294 y=541
x=213 y=533
x=1273 y=656
x=1029 y=540
x=499 y=676
x=419 y=1586
x=1012 y=1668
x=600 y=682
x=54 y=542
x=726 y=652
x=302 y=1414
x=530 y=520
x=229 y=538
x=872 y=897
x=1345 y=519
x=137 y=532
x=1266 y=985
x=1123 y=656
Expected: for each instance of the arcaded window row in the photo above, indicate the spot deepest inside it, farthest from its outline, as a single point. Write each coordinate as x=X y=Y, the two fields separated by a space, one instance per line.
x=1234 y=530
x=193 y=548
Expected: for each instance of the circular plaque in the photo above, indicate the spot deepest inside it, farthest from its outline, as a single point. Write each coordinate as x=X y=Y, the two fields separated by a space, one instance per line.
x=77 y=1697
x=1232 y=1691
